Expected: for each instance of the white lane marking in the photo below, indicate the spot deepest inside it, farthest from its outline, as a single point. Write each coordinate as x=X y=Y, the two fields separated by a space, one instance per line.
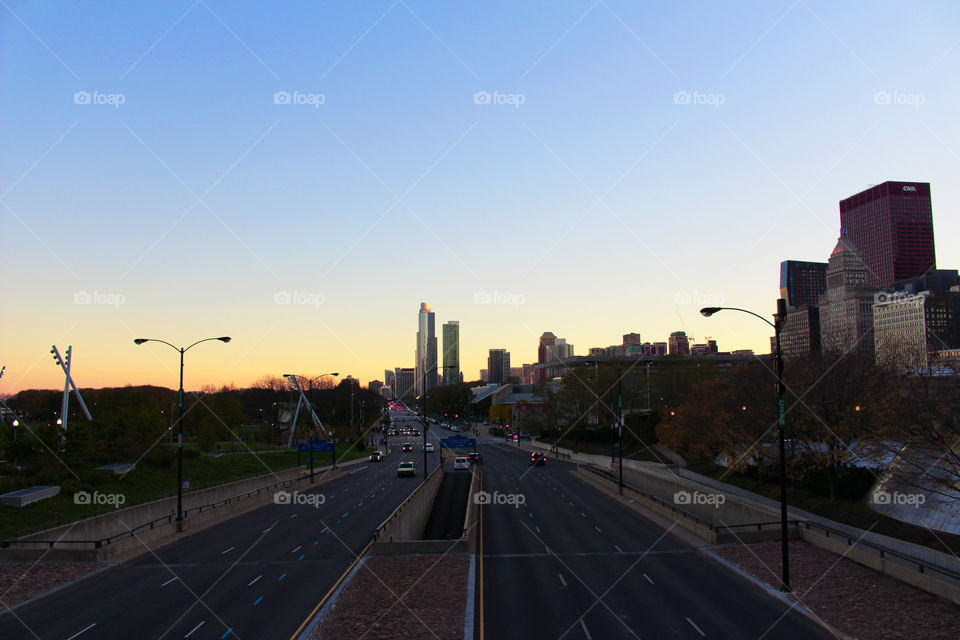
x=538 y=529
x=531 y=513
x=168 y=581
x=586 y=632
x=618 y=548
x=562 y=581
x=189 y=633
x=295 y=515
x=250 y=584
x=571 y=504
x=696 y=627
x=84 y=631
x=649 y=579
x=297 y=549
x=599 y=530
x=583 y=514
x=227 y=550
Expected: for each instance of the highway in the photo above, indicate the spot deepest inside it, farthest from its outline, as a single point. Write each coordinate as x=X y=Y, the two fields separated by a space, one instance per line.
x=256 y=576
x=571 y=562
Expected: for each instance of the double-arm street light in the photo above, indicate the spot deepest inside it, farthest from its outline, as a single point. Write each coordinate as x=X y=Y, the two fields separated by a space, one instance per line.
x=778 y=321
x=426 y=418
x=292 y=377
x=182 y=350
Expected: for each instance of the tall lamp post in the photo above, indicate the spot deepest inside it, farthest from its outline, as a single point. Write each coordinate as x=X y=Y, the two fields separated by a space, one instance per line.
x=182 y=350
x=293 y=378
x=619 y=370
x=779 y=319
x=426 y=419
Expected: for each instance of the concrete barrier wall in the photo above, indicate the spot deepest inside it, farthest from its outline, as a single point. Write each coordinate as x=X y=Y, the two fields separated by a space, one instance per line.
x=409 y=520
x=122 y=521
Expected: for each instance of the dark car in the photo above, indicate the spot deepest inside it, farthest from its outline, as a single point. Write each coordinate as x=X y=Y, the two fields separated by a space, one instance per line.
x=538 y=459
x=474 y=458
x=407 y=446
x=406 y=468
x=376 y=456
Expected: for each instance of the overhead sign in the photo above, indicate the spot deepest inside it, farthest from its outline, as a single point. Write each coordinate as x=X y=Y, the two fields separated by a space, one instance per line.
x=318 y=446
x=459 y=442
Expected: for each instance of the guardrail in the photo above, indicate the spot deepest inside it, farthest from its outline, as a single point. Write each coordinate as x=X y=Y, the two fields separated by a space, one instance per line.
x=830 y=532
x=152 y=524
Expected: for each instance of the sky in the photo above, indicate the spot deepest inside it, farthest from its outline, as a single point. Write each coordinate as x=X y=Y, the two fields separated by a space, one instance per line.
x=300 y=176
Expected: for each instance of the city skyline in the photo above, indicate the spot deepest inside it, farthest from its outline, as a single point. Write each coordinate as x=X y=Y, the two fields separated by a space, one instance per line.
x=185 y=171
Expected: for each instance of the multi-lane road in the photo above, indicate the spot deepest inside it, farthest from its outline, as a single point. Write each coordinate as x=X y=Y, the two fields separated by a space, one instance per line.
x=562 y=560
x=256 y=576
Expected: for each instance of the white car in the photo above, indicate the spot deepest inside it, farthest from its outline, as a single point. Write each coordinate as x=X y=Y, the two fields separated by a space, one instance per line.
x=461 y=462
x=429 y=447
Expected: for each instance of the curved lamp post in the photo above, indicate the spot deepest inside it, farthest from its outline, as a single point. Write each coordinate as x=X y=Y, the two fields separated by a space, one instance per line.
x=182 y=350
x=779 y=319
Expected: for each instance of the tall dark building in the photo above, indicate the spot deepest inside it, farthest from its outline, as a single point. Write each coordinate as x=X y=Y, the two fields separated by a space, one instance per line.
x=891 y=225
x=802 y=282
x=548 y=339
x=498 y=366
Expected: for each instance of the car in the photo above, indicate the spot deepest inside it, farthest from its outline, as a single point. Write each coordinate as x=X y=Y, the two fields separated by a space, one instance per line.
x=524 y=435
x=376 y=456
x=406 y=468
x=455 y=427
x=538 y=459
x=429 y=447
x=407 y=447
x=475 y=458
x=461 y=463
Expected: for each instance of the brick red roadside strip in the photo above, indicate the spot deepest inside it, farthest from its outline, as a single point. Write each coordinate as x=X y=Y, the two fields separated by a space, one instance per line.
x=854 y=599
x=410 y=597
x=20 y=581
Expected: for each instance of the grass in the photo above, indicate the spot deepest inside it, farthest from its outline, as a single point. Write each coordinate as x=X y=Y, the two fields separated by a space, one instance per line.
x=850 y=512
x=148 y=482
x=631 y=450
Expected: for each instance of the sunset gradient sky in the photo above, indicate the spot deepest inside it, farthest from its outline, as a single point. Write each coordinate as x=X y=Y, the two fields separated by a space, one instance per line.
x=641 y=155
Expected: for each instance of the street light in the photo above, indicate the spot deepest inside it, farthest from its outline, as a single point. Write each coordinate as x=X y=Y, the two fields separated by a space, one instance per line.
x=779 y=319
x=618 y=369
x=293 y=378
x=182 y=350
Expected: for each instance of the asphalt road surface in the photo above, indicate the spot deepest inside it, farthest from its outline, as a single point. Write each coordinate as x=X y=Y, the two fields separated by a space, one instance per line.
x=255 y=577
x=562 y=560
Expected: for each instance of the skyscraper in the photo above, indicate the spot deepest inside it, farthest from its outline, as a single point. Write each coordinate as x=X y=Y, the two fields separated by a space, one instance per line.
x=891 y=225
x=426 y=350
x=546 y=340
x=846 y=308
x=451 y=352
x=802 y=282
x=679 y=343
x=498 y=366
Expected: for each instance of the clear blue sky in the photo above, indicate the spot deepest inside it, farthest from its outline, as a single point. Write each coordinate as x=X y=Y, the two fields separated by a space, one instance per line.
x=591 y=209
